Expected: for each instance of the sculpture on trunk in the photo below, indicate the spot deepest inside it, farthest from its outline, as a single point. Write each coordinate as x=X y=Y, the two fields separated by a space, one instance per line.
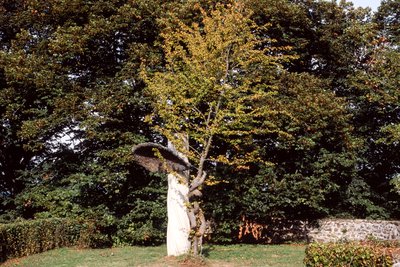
x=158 y=158
x=181 y=215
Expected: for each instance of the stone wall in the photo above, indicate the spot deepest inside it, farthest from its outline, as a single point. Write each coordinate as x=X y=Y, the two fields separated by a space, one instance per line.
x=327 y=230
x=332 y=230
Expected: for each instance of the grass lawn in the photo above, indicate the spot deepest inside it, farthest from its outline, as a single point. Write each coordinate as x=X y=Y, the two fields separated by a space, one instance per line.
x=221 y=256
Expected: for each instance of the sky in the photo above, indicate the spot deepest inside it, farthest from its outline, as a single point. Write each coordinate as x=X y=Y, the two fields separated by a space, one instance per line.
x=367 y=3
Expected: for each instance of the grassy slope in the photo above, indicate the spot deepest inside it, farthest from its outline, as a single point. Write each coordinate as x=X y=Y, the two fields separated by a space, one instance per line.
x=235 y=255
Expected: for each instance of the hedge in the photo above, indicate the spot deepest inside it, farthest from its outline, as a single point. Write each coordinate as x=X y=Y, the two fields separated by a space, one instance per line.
x=35 y=236
x=358 y=254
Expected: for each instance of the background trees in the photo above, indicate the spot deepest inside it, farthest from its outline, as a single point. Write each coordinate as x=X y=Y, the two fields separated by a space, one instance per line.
x=72 y=106
x=72 y=109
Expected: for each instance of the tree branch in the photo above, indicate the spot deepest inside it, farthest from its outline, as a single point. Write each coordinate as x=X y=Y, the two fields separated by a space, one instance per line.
x=197 y=182
x=195 y=192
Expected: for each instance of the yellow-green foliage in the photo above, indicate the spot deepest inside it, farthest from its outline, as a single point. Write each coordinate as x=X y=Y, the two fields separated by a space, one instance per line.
x=217 y=81
x=30 y=237
x=349 y=254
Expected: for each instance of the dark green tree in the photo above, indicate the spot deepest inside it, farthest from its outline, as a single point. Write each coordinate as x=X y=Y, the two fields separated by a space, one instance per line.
x=71 y=109
x=376 y=120
x=334 y=41
x=388 y=19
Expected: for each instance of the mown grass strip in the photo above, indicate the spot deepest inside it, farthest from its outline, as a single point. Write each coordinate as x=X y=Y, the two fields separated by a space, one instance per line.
x=233 y=255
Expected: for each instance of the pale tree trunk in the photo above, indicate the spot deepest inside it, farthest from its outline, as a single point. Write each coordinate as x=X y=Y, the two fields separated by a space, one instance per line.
x=178 y=230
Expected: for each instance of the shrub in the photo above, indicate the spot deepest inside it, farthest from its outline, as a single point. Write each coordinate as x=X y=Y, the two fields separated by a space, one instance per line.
x=144 y=225
x=349 y=254
x=94 y=234
x=133 y=232
x=35 y=236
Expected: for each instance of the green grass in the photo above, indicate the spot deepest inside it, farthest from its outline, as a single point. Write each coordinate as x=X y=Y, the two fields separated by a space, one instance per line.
x=257 y=255
x=233 y=255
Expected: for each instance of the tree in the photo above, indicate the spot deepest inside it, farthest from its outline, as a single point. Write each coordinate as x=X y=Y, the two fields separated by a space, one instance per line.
x=217 y=82
x=71 y=109
x=388 y=19
x=376 y=109
x=334 y=41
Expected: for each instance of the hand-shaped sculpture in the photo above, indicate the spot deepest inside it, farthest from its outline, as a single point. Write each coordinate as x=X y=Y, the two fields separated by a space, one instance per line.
x=157 y=158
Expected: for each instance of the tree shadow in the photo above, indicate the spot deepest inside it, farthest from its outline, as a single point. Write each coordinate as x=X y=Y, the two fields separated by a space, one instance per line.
x=205 y=252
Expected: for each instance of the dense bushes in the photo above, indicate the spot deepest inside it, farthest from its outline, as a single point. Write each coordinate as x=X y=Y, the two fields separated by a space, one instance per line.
x=35 y=236
x=29 y=237
x=350 y=254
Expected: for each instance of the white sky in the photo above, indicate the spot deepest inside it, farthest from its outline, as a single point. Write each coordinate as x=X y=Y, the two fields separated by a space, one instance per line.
x=367 y=3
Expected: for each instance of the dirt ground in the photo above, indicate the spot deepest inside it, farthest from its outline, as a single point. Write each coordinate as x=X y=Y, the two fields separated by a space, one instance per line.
x=190 y=262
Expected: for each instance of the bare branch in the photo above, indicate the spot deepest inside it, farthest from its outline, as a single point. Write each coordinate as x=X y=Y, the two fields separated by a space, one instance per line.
x=228 y=52
x=196 y=207
x=192 y=218
x=196 y=193
x=197 y=182
x=203 y=225
x=202 y=230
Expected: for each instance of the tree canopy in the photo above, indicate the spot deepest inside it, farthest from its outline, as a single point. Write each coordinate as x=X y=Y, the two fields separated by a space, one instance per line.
x=291 y=108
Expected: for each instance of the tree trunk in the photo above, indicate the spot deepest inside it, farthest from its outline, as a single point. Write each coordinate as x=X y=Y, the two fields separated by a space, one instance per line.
x=178 y=230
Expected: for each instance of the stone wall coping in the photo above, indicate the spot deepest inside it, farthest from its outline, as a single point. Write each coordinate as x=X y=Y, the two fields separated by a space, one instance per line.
x=358 y=220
